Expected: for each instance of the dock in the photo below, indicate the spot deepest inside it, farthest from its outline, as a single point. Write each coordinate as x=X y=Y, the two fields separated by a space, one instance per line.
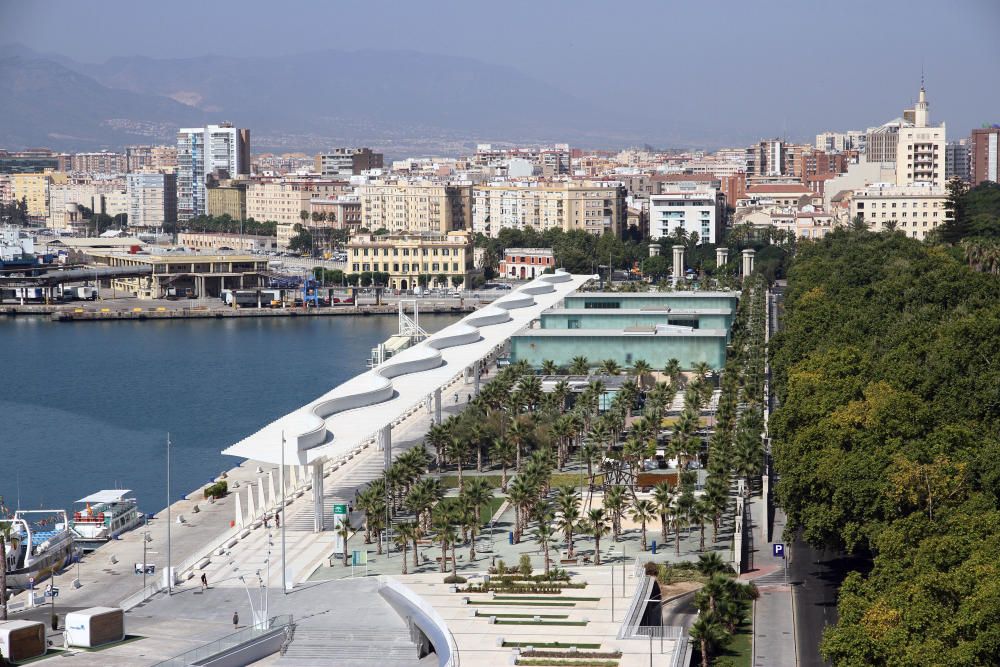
x=61 y=313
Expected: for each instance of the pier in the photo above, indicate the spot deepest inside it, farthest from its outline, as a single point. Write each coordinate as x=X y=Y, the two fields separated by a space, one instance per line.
x=62 y=313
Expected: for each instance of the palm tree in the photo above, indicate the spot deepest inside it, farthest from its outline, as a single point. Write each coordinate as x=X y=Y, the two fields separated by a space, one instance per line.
x=709 y=634
x=568 y=504
x=702 y=368
x=711 y=564
x=614 y=503
x=549 y=367
x=518 y=495
x=518 y=434
x=673 y=371
x=609 y=367
x=681 y=517
x=405 y=534
x=477 y=494
x=643 y=511
x=641 y=369
x=701 y=513
x=579 y=366
x=344 y=533
x=458 y=449
x=596 y=525
x=437 y=437
x=444 y=533
x=663 y=497
x=544 y=536
x=502 y=452
x=560 y=392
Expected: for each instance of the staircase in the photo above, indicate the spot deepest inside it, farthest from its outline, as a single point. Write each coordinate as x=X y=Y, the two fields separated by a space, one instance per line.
x=318 y=646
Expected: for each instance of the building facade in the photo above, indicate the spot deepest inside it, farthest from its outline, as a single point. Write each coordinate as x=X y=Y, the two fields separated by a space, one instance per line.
x=416 y=206
x=33 y=161
x=697 y=208
x=347 y=162
x=914 y=210
x=984 y=155
x=34 y=187
x=956 y=160
x=221 y=150
x=152 y=201
x=593 y=207
x=206 y=275
x=526 y=263
x=342 y=212
x=228 y=200
x=920 y=150
x=103 y=162
x=415 y=259
x=223 y=242
x=284 y=200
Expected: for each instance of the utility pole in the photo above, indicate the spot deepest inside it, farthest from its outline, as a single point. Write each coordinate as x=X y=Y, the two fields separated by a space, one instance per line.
x=284 y=581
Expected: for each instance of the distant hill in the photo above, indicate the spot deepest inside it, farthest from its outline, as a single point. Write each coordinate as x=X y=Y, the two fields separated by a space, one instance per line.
x=390 y=99
x=47 y=104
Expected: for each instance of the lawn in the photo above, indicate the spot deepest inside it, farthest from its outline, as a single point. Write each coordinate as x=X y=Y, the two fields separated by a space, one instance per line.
x=486 y=512
x=739 y=652
x=450 y=481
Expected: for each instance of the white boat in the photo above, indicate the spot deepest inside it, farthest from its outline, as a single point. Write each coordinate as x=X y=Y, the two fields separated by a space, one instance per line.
x=105 y=515
x=37 y=547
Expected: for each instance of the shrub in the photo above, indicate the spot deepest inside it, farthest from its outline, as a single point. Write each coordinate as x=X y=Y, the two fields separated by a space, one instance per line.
x=217 y=490
x=501 y=568
x=455 y=579
x=524 y=565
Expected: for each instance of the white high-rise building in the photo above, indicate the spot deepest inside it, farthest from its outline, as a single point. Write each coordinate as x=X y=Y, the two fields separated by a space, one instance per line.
x=152 y=201
x=921 y=149
x=217 y=149
x=696 y=207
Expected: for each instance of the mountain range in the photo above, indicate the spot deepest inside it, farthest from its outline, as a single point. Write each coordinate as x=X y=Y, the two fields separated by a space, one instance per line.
x=398 y=101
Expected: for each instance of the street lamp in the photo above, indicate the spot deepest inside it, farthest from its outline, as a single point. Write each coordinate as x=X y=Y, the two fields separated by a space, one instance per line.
x=146 y=539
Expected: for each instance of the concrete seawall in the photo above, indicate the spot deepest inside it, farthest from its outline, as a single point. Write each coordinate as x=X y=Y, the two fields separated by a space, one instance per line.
x=64 y=314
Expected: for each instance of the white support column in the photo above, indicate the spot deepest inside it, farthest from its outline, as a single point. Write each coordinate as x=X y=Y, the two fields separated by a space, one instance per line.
x=437 y=405
x=678 y=263
x=721 y=256
x=317 y=490
x=251 y=510
x=747 y=262
x=271 y=489
x=293 y=478
x=261 y=501
x=429 y=404
x=239 y=511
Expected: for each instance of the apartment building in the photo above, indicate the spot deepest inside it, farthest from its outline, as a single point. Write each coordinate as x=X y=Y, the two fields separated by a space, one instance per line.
x=283 y=200
x=221 y=150
x=34 y=187
x=984 y=155
x=779 y=194
x=838 y=142
x=103 y=162
x=956 y=160
x=228 y=198
x=342 y=212
x=347 y=162
x=153 y=158
x=107 y=196
x=916 y=210
x=592 y=206
x=34 y=161
x=920 y=150
x=152 y=201
x=412 y=259
x=696 y=207
x=416 y=206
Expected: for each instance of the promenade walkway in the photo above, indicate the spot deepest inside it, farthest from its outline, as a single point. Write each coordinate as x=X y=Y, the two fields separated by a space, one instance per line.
x=774 y=622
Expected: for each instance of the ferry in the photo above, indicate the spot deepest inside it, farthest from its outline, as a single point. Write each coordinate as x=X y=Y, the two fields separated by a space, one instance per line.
x=37 y=547
x=105 y=515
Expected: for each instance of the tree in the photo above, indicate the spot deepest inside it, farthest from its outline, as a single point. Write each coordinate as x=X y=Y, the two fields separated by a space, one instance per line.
x=656 y=268
x=549 y=367
x=710 y=635
x=502 y=452
x=458 y=449
x=568 y=505
x=711 y=564
x=609 y=367
x=643 y=511
x=456 y=281
x=302 y=241
x=405 y=534
x=344 y=533
x=614 y=504
x=444 y=533
x=596 y=525
x=579 y=366
x=858 y=223
x=545 y=537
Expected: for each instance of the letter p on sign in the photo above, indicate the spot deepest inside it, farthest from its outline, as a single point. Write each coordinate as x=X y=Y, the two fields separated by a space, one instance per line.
x=779 y=550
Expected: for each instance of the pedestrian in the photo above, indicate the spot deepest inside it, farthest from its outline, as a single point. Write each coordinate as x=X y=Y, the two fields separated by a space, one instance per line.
x=456 y=398
x=468 y=398
x=236 y=620
x=204 y=581
x=266 y=525
x=277 y=520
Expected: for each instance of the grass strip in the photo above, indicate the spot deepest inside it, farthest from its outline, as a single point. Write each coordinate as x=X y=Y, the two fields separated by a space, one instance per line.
x=524 y=604
x=563 y=645
x=554 y=662
x=525 y=622
x=486 y=614
x=533 y=597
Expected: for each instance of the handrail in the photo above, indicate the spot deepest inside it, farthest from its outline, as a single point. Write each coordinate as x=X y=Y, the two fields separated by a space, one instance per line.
x=228 y=642
x=427 y=611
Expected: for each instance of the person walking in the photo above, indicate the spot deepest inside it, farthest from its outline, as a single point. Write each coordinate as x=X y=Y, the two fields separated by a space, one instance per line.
x=204 y=581
x=236 y=620
x=277 y=520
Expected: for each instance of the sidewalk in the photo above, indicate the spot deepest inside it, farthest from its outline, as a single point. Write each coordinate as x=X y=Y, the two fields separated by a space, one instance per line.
x=774 y=618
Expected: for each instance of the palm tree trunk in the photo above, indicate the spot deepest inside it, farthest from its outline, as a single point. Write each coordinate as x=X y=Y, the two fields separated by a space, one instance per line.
x=704 y=653
x=702 y=527
x=479 y=458
x=404 y=558
x=444 y=556
x=461 y=484
x=546 y=560
x=597 y=550
x=569 y=543
x=416 y=556
x=643 y=524
x=677 y=543
x=503 y=479
x=454 y=563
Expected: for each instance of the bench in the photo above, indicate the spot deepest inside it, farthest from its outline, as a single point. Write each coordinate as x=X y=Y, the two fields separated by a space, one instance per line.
x=568 y=561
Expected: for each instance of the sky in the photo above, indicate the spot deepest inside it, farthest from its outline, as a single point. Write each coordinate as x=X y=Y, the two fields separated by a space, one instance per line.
x=762 y=67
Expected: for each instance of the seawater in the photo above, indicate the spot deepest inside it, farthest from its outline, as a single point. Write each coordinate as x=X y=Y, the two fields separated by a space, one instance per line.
x=87 y=406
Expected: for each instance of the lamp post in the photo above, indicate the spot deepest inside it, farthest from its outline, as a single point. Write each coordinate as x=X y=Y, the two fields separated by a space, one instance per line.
x=169 y=575
x=146 y=539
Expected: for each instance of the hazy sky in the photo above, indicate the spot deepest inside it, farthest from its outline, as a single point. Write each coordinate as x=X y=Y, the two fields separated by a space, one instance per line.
x=765 y=67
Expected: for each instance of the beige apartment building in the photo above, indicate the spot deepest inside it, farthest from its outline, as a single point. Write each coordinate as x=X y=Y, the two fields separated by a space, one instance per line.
x=915 y=210
x=921 y=149
x=228 y=200
x=35 y=189
x=99 y=163
x=283 y=200
x=416 y=206
x=594 y=207
x=443 y=259
x=220 y=241
x=338 y=213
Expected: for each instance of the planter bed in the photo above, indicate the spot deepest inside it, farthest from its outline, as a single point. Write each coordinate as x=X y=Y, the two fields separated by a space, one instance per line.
x=530 y=597
x=524 y=604
x=487 y=615
x=562 y=645
x=526 y=622
x=556 y=662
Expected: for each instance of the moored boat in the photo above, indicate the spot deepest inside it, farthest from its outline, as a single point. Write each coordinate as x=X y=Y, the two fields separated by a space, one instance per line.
x=37 y=547
x=105 y=515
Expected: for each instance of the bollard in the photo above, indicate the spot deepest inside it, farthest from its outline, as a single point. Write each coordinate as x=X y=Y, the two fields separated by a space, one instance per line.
x=654 y=547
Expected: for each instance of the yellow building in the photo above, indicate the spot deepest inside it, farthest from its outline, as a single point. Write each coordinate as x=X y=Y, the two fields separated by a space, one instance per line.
x=443 y=259
x=228 y=200
x=416 y=206
x=914 y=210
x=284 y=200
x=35 y=189
x=594 y=207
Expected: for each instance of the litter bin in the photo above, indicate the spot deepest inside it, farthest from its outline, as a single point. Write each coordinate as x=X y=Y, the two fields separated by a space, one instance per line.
x=654 y=547
x=510 y=538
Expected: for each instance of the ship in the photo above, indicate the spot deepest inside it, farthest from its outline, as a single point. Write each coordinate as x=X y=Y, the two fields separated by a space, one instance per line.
x=105 y=515
x=35 y=548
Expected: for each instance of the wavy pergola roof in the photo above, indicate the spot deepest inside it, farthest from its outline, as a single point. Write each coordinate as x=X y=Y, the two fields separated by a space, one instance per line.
x=343 y=419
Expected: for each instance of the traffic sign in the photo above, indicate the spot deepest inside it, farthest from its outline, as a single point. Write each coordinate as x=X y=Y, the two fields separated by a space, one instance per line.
x=778 y=549
x=340 y=509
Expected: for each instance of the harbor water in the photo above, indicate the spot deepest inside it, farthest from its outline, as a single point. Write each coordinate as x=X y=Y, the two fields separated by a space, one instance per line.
x=88 y=406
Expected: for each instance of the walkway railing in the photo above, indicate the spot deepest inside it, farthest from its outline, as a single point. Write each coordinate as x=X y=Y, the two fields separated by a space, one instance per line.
x=228 y=642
